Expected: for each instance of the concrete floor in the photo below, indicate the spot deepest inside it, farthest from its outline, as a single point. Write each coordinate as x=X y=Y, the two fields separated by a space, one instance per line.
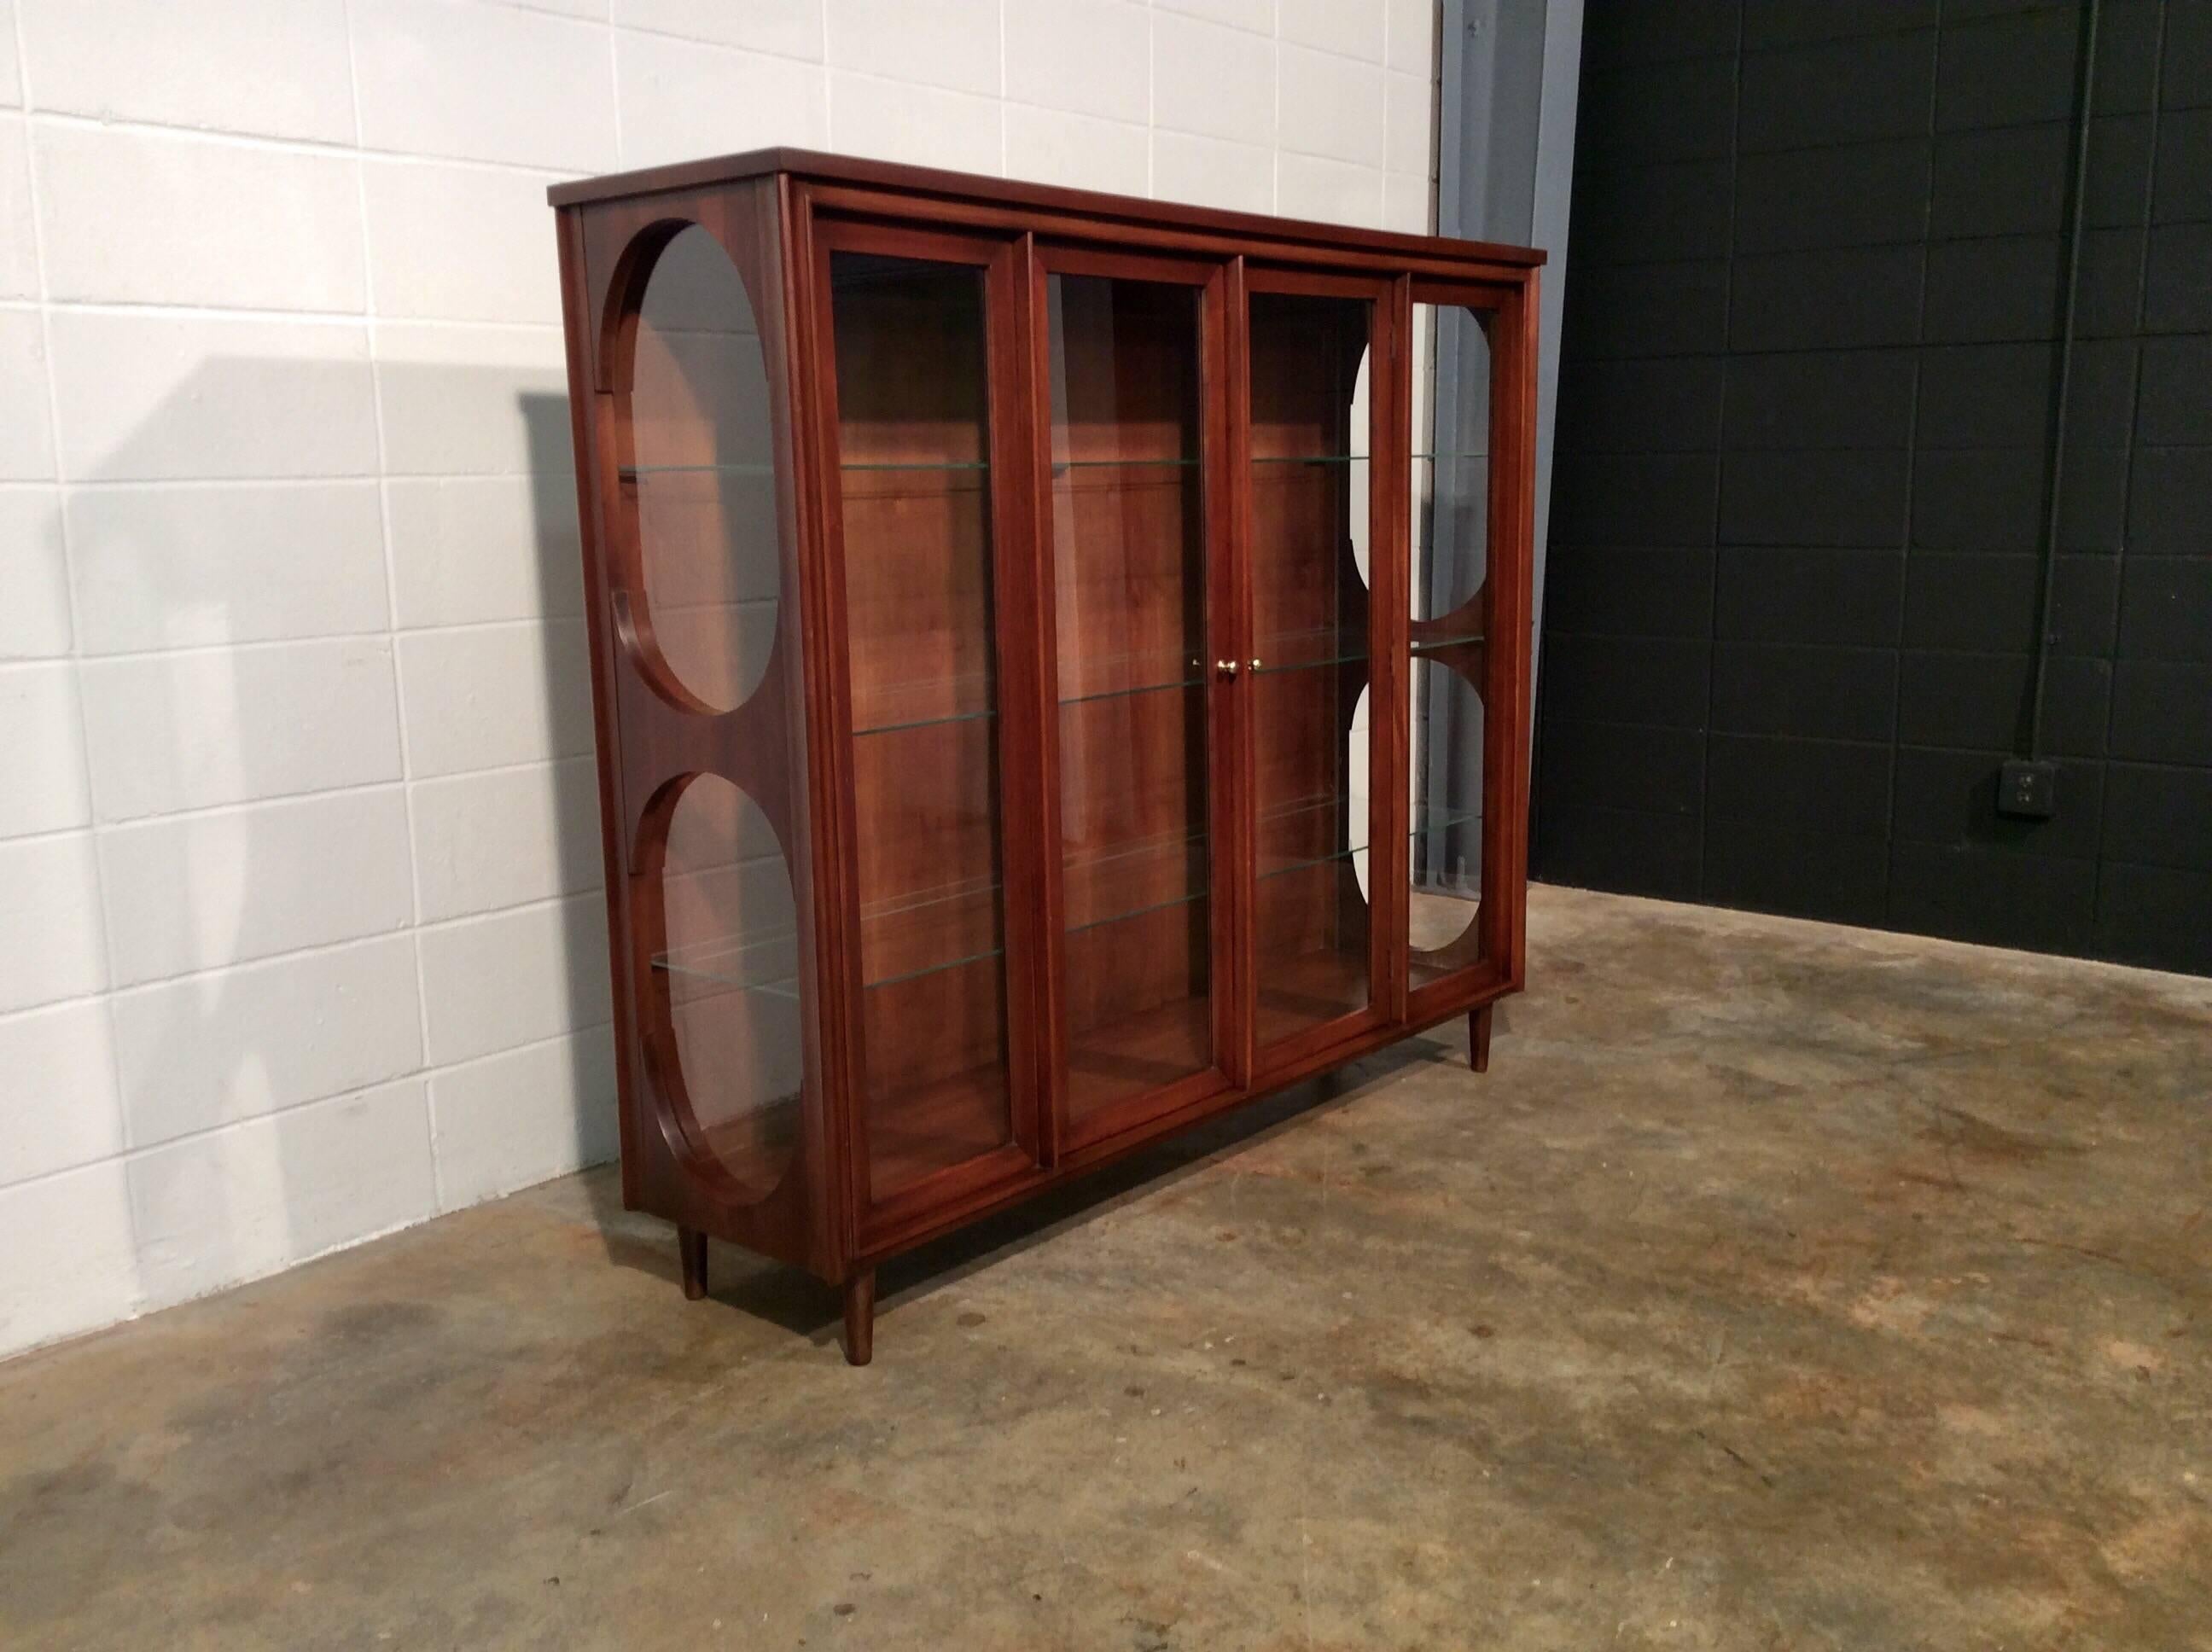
x=1782 y=1286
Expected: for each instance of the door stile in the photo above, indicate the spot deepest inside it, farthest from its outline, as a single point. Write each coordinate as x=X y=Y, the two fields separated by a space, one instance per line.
x=1232 y=586
x=1015 y=531
x=1228 y=621
x=1052 y=895
x=829 y=719
x=1389 y=566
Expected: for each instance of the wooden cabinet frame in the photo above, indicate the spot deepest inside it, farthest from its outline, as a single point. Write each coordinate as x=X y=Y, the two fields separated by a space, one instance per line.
x=792 y=1177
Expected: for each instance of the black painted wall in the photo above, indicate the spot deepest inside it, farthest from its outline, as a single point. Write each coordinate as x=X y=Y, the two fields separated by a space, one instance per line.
x=1806 y=398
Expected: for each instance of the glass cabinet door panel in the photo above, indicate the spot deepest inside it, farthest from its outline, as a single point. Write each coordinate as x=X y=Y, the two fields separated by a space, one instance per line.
x=1450 y=512
x=915 y=494
x=1308 y=487
x=1129 y=606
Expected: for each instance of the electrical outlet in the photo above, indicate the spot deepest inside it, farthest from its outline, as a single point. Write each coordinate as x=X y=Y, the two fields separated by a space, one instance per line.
x=2027 y=790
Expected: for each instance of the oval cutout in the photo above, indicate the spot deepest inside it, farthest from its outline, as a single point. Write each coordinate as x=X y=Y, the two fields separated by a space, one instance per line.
x=1445 y=862
x=702 y=472
x=730 y=969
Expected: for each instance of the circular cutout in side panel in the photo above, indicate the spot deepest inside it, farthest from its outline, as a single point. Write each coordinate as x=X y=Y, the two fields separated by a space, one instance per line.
x=1450 y=487
x=730 y=969
x=1445 y=859
x=702 y=472
x=1358 y=523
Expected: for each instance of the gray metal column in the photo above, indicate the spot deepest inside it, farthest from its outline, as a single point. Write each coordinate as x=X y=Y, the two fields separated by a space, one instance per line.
x=1505 y=133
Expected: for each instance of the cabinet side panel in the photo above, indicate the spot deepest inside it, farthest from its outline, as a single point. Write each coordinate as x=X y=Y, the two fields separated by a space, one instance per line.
x=698 y=624
x=578 y=314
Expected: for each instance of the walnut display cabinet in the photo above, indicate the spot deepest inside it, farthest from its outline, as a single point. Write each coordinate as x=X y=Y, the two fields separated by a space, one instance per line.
x=1040 y=648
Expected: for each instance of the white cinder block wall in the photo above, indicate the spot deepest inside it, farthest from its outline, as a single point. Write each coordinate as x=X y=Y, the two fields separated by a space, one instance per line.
x=300 y=937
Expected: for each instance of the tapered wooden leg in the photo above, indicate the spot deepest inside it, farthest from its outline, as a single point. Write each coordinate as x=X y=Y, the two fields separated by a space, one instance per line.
x=860 y=1318
x=1478 y=1037
x=692 y=1252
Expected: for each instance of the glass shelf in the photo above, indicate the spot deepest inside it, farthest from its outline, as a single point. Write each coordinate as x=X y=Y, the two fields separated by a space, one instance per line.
x=1162 y=687
x=1106 y=676
x=890 y=707
x=632 y=472
x=898 y=977
x=1142 y=876
x=924 y=465
x=1060 y=465
x=1423 y=646
x=767 y=964
x=1354 y=459
x=1425 y=821
x=1433 y=819
x=1304 y=651
x=1102 y=677
x=1300 y=805
x=949 y=912
x=1272 y=868
x=862 y=731
x=1324 y=804
x=1190 y=897
x=770 y=962
x=1141 y=848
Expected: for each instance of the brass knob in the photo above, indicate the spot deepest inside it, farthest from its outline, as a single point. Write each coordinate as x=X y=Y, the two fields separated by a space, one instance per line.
x=1226 y=667
x=1255 y=664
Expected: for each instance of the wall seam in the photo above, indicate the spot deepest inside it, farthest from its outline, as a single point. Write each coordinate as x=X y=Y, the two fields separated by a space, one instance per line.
x=1713 y=533
x=2141 y=310
x=1912 y=471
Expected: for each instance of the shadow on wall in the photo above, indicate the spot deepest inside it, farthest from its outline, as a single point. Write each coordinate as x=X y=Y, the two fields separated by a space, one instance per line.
x=343 y=1006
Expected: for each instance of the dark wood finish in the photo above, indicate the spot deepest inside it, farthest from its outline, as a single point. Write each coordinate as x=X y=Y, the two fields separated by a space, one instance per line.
x=1015 y=900
x=691 y=1259
x=929 y=192
x=1477 y=1037
x=860 y=1317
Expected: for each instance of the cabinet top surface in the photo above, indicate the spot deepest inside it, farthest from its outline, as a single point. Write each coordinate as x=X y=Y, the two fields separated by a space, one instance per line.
x=929 y=181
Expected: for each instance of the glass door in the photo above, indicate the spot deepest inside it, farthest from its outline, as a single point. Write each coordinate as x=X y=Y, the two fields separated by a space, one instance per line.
x=1142 y=1026
x=922 y=530
x=1316 y=408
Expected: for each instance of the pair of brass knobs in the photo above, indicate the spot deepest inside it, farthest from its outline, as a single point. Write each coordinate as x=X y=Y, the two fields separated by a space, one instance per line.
x=1229 y=667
